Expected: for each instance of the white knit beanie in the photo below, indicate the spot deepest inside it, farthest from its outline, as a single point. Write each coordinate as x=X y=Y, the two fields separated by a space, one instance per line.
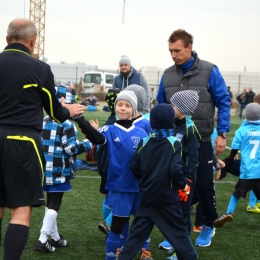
x=128 y=96
x=186 y=101
x=125 y=60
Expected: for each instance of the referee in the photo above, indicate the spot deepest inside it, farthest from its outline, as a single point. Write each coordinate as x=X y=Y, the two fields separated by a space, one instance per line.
x=26 y=88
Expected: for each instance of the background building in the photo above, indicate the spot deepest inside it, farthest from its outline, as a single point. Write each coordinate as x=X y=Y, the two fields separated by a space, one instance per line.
x=65 y=73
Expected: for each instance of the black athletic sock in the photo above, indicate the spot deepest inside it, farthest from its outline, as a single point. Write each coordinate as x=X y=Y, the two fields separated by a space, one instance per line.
x=15 y=240
x=0 y=230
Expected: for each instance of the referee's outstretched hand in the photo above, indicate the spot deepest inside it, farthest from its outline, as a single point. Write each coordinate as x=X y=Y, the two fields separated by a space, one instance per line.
x=74 y=109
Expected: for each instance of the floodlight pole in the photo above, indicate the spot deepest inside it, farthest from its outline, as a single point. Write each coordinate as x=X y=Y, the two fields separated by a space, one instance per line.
x=123 y=12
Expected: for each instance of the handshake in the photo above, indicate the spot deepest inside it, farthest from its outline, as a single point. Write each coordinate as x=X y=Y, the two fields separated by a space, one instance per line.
x=184 y=194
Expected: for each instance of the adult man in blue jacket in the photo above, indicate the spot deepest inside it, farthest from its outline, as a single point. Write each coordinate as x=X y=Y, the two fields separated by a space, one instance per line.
x=189 y=72
x=129 y=75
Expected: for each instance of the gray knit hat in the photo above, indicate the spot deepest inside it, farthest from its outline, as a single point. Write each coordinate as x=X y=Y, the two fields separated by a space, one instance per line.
x=128 y=96
x=140 y=94
x=186 y=101
x=125 y=60
x=252 y=112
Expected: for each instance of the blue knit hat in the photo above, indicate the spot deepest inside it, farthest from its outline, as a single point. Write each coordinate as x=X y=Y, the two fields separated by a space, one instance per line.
x=162 y=116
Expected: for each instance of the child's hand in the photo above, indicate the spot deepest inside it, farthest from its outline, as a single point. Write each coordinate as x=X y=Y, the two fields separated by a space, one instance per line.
x=94 y=124
x=221 y=163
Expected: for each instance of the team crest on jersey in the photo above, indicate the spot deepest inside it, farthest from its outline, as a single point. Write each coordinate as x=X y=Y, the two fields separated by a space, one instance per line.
x=179 y=136
x=103 y=129
x=135 y=140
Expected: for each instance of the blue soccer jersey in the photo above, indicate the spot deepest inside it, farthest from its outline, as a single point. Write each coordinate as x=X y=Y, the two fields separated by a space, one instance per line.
x=121 y=144
x=247 y=140
x=143 y=123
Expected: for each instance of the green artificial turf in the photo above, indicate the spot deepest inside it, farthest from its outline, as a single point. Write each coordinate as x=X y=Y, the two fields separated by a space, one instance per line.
x=80 y=215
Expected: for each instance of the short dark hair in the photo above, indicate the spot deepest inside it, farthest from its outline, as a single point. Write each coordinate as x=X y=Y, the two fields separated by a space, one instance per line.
x=257 y=99
x=181 y=34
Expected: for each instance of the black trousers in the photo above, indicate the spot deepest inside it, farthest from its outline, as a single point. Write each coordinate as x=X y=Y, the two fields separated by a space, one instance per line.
x=205 y=185
x=169 y=220
x=185 y=206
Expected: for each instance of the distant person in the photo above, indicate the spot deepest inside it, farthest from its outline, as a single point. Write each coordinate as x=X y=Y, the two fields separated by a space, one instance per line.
x=152 y=98
x=91 y=102
x=230 y=94
x=191 y=73
x=60 y=147
x=242 y=100
x=250 y=96
x=26 y=88
x=129 y=75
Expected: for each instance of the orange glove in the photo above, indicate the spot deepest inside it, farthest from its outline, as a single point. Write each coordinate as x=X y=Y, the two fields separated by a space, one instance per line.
x=184 y=195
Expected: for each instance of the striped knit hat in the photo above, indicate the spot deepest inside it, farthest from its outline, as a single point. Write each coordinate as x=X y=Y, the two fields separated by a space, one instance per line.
x=128 y=96
x=186 y=101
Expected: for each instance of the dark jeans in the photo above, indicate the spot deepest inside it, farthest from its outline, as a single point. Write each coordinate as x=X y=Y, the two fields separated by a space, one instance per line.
x=241 y=107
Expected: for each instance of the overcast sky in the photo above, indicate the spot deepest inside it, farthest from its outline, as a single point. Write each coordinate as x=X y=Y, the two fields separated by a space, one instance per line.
x=226 y=32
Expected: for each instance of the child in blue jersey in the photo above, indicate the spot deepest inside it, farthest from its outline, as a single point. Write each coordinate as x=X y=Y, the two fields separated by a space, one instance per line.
x=102 y=163
x=253 y=203
x=60 y=147
x=139 y=121
x=247 y=140
x=121 y=140
x=158 y=164
x=184 y=103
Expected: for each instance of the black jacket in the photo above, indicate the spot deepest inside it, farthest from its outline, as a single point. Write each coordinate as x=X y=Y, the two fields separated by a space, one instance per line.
x=158 y=164
x=26 y=87
x=186 y=132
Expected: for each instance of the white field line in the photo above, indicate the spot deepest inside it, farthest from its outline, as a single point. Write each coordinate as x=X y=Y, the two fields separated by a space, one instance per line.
x=98 y=177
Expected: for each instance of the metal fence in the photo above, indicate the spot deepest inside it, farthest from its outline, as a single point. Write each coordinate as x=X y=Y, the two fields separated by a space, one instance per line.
x=72 y=73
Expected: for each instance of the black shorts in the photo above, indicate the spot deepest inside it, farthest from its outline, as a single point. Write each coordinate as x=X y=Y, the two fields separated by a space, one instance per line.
x=21 y=168
x=244 y=186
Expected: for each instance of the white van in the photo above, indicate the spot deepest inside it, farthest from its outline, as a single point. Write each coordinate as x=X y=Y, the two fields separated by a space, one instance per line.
x=97 y=82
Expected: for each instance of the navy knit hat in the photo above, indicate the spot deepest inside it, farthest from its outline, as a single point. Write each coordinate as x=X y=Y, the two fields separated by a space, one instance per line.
x=125 y=60
x=186 y=101
x=162 y=116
